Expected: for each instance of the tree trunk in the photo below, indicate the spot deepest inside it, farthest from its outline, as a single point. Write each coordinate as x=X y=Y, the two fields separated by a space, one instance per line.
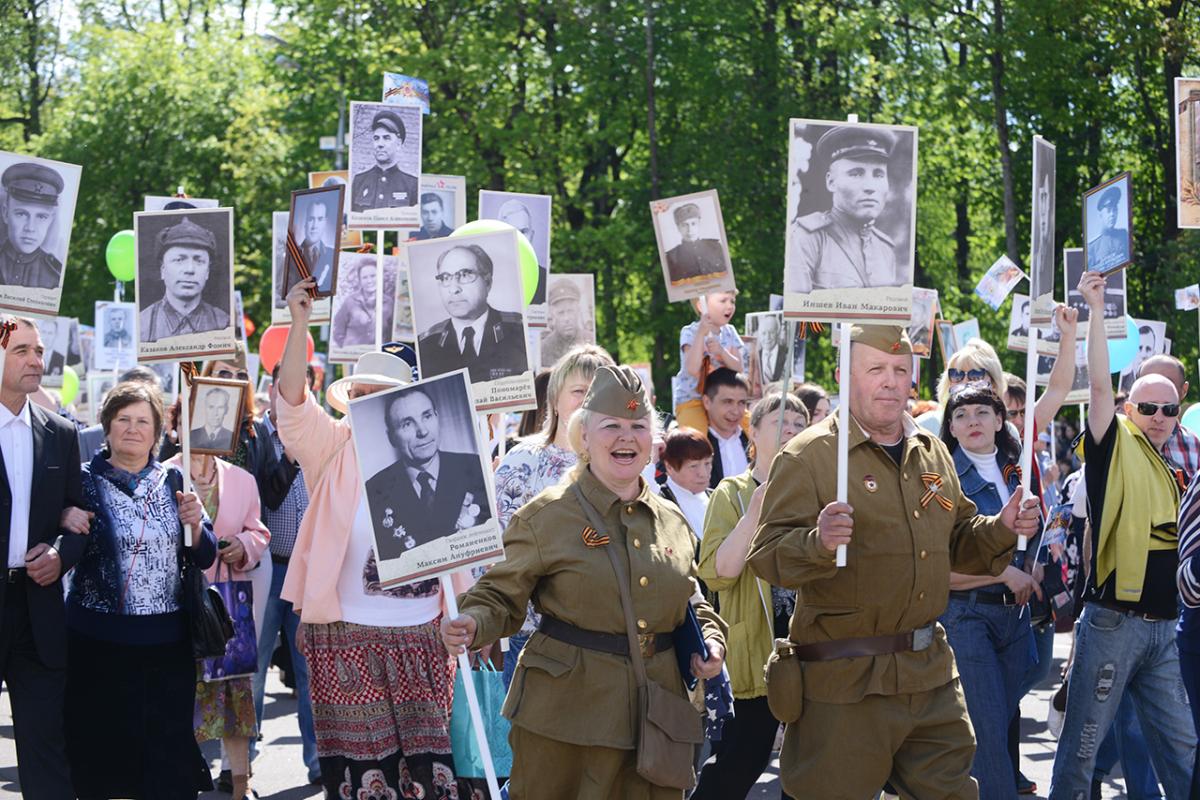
x=658 y=292
x=1001 y=118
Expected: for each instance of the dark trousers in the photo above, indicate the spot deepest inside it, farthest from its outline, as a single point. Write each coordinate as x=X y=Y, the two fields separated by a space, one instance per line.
x=1189 y=664
x=36 y=693
x=742 y=754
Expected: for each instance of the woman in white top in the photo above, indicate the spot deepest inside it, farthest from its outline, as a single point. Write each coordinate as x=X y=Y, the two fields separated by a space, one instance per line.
x=688 y=458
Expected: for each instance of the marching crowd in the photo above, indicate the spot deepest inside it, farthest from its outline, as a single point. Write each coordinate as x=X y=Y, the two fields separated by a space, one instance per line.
x=670 y=594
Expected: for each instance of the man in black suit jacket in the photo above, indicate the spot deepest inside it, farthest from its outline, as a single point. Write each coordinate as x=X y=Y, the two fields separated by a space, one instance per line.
x=428 y=493
x=489 y=343
x=39 y=480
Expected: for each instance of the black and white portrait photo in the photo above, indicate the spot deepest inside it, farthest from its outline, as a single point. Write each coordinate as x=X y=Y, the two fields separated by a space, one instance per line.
x=385 y=165
x=425 y=481
x=60 y=338
x=113 y=345
x=1152 y=341
x=692 y=247
x=529 y=214
x=1187 y=152
x=1114 y=294
x=315 y=225
x=466 y=304
x=402 y=323
x=37 y=209
x=770 y=347
x=354 y=330
x=1108 y=225
x=326 y=179
x=848 y=255
x=920 y=327
x=157 y=202
x=1018 y=323
x=215 y=408
x=184 y=283
x=571 y=319
x=98 y=386
x=443 y=206
x=1042 y=254
x=280 y=314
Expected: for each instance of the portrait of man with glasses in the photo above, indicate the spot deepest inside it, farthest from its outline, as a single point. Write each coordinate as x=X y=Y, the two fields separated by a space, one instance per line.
x=470 y=283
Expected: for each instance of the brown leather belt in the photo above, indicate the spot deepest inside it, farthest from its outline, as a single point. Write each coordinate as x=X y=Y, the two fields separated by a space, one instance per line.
x=616 y=644
x=910 y=641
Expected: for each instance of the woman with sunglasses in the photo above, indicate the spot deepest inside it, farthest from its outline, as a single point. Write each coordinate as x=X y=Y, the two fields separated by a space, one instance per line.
x=986 y=619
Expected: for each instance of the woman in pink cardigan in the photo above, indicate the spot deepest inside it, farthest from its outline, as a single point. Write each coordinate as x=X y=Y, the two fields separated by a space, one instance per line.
x=380 y=680
x=225 y=709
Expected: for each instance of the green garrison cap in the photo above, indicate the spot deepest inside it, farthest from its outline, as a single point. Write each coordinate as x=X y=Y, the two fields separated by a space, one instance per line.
x=891 y=339
x=617 y=392
x=33 y=183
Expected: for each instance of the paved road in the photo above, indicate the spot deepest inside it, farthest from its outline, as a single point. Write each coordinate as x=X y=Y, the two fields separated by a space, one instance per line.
x=279 y=774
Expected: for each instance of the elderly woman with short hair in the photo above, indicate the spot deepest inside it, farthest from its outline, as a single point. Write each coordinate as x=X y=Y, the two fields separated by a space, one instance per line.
x=572 y=704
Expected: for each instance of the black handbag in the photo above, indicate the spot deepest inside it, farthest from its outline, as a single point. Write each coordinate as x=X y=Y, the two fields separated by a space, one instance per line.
x=208 y=618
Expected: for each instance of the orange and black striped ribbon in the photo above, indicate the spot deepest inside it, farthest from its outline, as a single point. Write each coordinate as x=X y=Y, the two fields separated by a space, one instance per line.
x=933 y=485
x=298 y=257
x=805 y=327
x=188 y=370
x=1010 y=470
x=593 y=538
x=366 y=247
x=6 y=329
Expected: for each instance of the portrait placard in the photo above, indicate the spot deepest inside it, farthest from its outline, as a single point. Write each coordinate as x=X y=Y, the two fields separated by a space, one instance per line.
x=99 y=384
x=402 y=324
x=1188 y=298
x=530 y=215
x=851 y=225
x=946 y=339
x=184 y=283
x=314 y=228
x=572 y=318
x=1152 y=341
x=87 y=334
x=1041 y=237
x=385 y=165
x=443 y=206
x=692 y=246
x=168 y=378
x=920 y=328
x=965 y=331
x=998 y=281
x=37 y=211
x=113 y=344
x=770 y=349
x=60 y=338
x=1108 y=225
x=1080 y=391
x=280 y=313
x=354 y=329
x=1187 y=152
x=466 y=304
x=216 y=409
x=337 y=177
x=440 y=519
x=1114 y=295
x=158 y=202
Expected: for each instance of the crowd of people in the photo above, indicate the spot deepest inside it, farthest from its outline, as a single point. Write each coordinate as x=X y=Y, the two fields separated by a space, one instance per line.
x=900 y=673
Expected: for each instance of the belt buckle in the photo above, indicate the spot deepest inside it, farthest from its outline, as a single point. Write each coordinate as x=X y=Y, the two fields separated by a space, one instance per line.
x=13 y=574
x=922 y=638
x=646 y=644
x=1004 y=600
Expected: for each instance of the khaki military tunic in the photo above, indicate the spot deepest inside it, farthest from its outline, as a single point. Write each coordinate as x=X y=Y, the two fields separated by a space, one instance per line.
x=569 y=694
x=829 y=250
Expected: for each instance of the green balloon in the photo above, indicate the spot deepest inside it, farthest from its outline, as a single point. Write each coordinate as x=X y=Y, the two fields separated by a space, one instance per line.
x=70 y=387
x=119 y=255
x=530 y=271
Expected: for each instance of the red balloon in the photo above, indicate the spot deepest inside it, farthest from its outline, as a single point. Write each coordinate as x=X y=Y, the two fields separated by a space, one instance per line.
x=249 y=325
x=270 y=346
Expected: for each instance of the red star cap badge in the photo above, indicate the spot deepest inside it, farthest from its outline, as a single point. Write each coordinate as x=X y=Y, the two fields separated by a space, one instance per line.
x=632 y=405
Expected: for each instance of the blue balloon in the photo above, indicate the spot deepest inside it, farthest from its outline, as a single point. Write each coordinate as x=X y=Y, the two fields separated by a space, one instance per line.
x=1191 y=419
x=1122 y=352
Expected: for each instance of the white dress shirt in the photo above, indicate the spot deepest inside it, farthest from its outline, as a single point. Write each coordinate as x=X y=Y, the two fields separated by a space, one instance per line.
x=16 y=443
x=460 y=329
x=692 y=505
x=733 y=454
x=434 y=467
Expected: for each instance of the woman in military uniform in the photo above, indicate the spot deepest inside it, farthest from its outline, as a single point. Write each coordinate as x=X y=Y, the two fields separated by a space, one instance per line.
x=573 y=702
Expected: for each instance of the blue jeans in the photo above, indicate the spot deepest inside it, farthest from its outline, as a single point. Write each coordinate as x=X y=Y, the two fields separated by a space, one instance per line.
x=1126 y=743
x=993 y=647
x=1114 y=654
x=280 y=618
x=515 y=644
x=1043 y=643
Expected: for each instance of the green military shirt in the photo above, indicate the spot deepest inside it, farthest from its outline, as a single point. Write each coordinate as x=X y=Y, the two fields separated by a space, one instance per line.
x=829 y=250
x=561 y=691
x=36 y=270
x=898 y=562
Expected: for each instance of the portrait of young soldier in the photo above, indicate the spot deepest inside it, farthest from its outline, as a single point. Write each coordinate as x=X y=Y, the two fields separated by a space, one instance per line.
x=1109 y=246
x=433 y=218
x=694 y=256
x=30 y=208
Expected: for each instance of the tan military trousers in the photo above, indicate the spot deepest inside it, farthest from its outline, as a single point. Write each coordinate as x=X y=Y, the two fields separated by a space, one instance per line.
x=921 y=743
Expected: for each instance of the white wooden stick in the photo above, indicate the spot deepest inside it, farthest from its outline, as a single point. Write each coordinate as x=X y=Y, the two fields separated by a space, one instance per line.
x=843 y=443
x=464 y=669
x=1027 y=435
x=379 y=337
x=185 y=442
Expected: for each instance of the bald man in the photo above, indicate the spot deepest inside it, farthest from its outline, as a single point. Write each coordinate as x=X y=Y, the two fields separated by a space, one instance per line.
x=1183 y=448
x=1125 y=640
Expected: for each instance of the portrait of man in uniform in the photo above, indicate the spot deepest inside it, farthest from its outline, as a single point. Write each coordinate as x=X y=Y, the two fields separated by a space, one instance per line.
x=385 y=164
x=117 y=335
x=30 y=210
x=693 y=257
x=571 y=319
x=920 y=329
x=530 y=215
x=692 y=247
x=1018 y=323
x=183 y=256
x=214 y=411
x=314 y=225
x=433 y=217
x=1107 y=225
x=113 y=344
x=1041 y=249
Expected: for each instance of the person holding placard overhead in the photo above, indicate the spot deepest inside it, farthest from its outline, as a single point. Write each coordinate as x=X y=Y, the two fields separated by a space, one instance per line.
x=866 y=664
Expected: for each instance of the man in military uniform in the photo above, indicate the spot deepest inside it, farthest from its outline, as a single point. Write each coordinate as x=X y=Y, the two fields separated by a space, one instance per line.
x=565 y=322
x=116 y=330
x=1111 y=247
x=186 y=252
x=29 y=210
x=433 y=223
x=489 y=343
x=842 y=248
x=385 y=185
x=867 y=667
x=693 y=257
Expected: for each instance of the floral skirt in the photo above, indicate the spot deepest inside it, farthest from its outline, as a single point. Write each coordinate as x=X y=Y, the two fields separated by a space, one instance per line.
x=224 y=709
x=381 y=700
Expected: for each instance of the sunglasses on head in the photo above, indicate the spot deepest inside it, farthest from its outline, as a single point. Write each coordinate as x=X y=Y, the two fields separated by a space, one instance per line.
x=240 y=375
x=1168 y=409
x=958 y=376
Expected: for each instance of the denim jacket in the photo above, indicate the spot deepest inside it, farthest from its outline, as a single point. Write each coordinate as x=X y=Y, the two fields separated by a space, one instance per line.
x=987 y=498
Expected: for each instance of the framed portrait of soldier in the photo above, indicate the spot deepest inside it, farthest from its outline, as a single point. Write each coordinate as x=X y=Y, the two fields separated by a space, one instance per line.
x=385 y=166
x=1114 y=294
x=215 y=408
x=159 y=202
x=60 y=338
x=1080 y=391
x=37 y=210
x=1152 y=341
x=920 y=326
x=427 y=485
x=443 y=206
x=572 y=317
x=530 y=215
x=851 y=229
x=328 y=178
x=467 y=311
x=314 y=230
x=1187 y=152
x=184 y=283
x=692 y=246
x=99 y=384
x=1041 y=238
x=1108 y=225
x=280 y=313
x=113 y=343
x=354 y=330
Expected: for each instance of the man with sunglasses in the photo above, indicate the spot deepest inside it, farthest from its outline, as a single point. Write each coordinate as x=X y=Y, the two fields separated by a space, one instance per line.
x=1125 y=639
x=1182 y=450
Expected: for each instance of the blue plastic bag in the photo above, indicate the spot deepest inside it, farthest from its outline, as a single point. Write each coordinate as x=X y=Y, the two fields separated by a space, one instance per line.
x=468 y=759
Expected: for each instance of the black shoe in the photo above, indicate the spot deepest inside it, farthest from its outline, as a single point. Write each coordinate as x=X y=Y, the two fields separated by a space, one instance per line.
x=1096 y=785
x=225 y=782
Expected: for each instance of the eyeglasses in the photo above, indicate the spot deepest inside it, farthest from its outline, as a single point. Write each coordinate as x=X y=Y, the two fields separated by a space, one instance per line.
x=240 y=375
x=1168 y=409
x=464 y=277
x=957 y=375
